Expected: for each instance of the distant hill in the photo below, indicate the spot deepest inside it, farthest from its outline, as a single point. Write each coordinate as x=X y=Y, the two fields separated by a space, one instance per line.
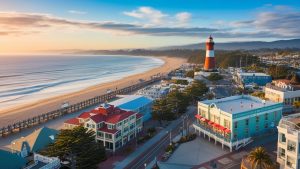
x=251 y=45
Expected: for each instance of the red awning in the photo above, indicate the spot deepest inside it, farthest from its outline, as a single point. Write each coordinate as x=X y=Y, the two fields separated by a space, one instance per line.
x=211 y=123
x=227 y=130
x=198 y=116
x=204 y=119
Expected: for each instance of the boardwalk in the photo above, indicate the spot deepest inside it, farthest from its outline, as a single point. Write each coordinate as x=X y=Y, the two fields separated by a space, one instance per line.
x=26 y=123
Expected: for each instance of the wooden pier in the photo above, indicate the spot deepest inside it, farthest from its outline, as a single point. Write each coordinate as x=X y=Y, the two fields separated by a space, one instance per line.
x=18 y=126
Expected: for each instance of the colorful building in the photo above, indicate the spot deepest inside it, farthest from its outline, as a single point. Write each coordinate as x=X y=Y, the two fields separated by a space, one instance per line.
x=283 y=91
x=233 y=121
x=114 y=127
x=136 y=103
x=288 y=147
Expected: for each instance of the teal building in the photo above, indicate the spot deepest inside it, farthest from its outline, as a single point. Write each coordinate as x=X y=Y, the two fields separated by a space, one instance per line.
x=235 y=120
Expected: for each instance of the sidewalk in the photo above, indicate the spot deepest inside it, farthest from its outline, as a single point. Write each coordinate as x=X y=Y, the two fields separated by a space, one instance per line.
x=150 y=143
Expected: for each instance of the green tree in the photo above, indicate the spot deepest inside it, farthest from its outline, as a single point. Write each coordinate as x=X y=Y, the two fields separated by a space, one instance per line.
x=161 y=110
x=295 y=79
x=190 y=74
x=278 y=72
x=260 y=159
x=78 y=144
x=214 y=77
x=196 y=90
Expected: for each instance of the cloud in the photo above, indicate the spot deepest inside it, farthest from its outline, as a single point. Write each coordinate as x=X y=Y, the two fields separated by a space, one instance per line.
x=152 y=15
x=77 y=12
x=183 y=17
x=265 y=25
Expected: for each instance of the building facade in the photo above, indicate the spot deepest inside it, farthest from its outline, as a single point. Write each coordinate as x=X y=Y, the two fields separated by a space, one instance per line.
x=136 y=103
x=155 y=91
x=113 y=126
x=283 y=91
x=260 y=79
x=233 y=121
x=288 y=147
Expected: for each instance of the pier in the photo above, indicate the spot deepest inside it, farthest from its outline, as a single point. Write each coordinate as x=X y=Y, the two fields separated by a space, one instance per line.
x=39 y=119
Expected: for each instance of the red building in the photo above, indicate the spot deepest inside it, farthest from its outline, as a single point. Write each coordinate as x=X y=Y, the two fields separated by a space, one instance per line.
x=113 y=126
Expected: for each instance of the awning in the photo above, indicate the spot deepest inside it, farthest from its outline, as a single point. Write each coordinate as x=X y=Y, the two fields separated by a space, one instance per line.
x=198 y=116
x=211 y=123
x=227 y=130
x=204 y=119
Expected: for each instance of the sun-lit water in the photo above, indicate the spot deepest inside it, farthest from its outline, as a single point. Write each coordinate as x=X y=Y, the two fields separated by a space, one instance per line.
x=30 y=78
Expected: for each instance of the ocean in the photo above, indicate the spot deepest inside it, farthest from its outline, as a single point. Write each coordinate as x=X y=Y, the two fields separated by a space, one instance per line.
x=31 y=78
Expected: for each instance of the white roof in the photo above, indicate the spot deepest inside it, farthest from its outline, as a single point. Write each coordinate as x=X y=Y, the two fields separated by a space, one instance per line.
x=237 y=104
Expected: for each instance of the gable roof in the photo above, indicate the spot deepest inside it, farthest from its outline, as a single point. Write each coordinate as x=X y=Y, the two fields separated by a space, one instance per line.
x=36 y=140
x=98 y=118
x=74 y=121
x=115 y=118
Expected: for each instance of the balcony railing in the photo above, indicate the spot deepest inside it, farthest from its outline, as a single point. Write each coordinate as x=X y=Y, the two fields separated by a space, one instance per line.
x=220 y=135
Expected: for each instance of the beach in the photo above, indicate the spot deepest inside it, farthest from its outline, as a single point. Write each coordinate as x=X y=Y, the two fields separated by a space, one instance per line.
x=23 y=112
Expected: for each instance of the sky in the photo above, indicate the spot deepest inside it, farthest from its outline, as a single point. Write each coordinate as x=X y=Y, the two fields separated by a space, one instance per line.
x=35 y=26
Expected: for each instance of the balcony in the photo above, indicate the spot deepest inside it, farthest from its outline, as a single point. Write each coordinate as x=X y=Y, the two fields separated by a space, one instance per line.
x=224 y=137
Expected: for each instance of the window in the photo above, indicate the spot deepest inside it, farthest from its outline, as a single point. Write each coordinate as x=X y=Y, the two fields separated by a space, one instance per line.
x=281 y=153
x=110 y=126
x=100 y=134
x=235 y=125
x=291 y=146
x=87 y=125
x=282 y=138
x=266 y=125
x=108 y=136
x=126 y=129
x=118 y=134
x=257 y=119
x=257 y=128
x=247 y=122
x=266 y=116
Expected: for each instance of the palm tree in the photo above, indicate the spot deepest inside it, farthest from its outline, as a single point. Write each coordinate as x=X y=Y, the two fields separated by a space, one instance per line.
x=260 y=159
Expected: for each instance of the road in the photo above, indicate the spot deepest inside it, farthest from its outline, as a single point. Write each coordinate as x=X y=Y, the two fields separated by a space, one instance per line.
x=159 y=147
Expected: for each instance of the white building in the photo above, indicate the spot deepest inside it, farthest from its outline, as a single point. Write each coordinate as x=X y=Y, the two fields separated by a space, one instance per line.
x=155 y=91
x=283 y=91
x=288 y=149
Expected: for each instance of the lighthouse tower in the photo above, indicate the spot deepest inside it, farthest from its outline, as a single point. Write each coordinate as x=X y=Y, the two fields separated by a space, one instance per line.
x=210 y=61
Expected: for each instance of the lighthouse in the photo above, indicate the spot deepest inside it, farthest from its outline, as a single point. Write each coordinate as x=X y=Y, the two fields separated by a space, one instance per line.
x=210 y=61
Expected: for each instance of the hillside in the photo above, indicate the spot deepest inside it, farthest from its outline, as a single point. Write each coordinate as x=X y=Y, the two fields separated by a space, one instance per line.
x=251 y=45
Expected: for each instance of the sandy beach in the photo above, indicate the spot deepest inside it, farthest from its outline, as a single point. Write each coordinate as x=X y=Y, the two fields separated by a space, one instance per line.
x=21 y=112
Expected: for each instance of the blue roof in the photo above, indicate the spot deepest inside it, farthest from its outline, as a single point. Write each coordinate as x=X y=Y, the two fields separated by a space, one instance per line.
x=10 y=160
x=136 y=103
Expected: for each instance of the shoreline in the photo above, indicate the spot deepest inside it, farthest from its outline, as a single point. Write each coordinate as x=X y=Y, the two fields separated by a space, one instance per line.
x=23 y=112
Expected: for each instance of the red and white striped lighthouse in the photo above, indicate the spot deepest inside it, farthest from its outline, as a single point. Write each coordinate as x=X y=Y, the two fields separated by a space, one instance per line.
x=210 y=61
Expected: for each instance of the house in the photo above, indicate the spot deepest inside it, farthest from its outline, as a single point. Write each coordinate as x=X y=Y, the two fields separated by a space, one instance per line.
x=232 y=121
x=288 y=145
x=34 y=142
x=136 y=103
x=114 y=127
x=283 y=90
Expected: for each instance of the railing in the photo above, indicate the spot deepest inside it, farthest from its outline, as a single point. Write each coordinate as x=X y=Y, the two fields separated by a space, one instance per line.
x=210 y=130
x=18 y=126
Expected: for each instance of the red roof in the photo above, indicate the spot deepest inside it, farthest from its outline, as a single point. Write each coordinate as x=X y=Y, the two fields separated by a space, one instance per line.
x=138 y=115
x=227 y=130
x=74 y=121
x=106 y=130
x=115 y=118
x=85 y=115
x=98 y=118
